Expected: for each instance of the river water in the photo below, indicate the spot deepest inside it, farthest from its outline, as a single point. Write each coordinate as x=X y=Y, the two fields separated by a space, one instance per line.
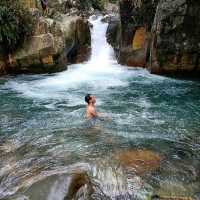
x=44 y=137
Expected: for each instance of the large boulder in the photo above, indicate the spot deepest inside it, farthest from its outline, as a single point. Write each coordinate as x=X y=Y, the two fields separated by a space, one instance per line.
x=54 y=44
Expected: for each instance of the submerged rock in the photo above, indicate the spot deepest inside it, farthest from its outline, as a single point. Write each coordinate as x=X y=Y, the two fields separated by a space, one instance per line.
x=140 y=161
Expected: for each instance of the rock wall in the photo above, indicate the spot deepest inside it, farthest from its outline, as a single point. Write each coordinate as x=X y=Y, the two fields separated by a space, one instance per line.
x=162 y=35
x=175 y=46
x=54 y=45
x=56 y=42
x=132 y=32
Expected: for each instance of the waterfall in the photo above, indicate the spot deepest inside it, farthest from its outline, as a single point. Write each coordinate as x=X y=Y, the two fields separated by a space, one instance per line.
x=101 y=71
x=102 y=54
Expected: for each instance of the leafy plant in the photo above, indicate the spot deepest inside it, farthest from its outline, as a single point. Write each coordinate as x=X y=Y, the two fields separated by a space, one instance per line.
x=16 y=24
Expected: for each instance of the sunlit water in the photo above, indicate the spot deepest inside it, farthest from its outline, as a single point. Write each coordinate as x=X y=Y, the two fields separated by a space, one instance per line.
x=44 y=136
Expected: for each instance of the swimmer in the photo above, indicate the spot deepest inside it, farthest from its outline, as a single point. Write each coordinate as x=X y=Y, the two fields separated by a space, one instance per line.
x=90 y=109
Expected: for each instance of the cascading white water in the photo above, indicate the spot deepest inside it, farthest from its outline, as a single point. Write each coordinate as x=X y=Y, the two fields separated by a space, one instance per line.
x=102 y=54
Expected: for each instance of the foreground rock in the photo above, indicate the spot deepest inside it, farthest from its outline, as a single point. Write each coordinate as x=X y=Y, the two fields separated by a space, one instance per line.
x=162 y=35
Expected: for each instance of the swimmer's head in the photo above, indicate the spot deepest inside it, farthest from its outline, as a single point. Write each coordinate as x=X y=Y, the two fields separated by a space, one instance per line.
x=90 y=99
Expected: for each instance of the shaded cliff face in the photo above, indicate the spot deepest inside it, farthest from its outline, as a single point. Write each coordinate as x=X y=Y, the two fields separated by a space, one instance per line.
x=175 y=45
x=163 y=35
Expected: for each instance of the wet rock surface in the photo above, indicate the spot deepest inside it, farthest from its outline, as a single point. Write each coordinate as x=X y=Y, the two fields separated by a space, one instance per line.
x=113 y=33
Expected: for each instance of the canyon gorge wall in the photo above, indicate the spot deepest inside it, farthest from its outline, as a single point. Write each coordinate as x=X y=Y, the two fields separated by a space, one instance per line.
x=161 y=35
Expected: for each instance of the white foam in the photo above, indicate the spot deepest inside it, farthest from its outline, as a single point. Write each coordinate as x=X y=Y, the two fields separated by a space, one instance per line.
x=58 y=190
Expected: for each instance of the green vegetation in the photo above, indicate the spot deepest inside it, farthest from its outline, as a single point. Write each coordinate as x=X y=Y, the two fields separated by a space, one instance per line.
x=96 y=4
x=16 y=24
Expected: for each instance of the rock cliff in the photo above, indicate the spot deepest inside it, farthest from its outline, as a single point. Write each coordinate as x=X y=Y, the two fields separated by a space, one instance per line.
x=175 y=45
x=161 y=35
x=57 y=40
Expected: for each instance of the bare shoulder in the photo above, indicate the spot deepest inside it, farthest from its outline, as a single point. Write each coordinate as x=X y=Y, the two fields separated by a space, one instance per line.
x=91 y=108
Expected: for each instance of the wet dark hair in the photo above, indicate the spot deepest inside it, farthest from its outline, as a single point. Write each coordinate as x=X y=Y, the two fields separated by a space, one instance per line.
x=87 y=98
